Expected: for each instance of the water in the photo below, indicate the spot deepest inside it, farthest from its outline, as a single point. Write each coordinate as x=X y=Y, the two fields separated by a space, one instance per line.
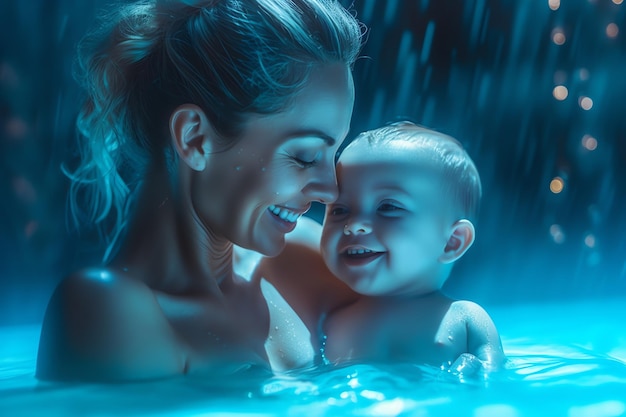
x=481 y=70
x=565 y=359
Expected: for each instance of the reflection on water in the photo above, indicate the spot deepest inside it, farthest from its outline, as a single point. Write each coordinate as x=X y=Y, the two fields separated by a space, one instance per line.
x=560 y=364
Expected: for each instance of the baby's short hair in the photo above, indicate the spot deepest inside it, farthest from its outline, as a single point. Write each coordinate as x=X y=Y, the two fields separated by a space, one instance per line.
x=459 y=174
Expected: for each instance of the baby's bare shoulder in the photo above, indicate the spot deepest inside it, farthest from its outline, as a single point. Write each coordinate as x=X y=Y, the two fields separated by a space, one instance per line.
x=468 y=310
x=466 y=306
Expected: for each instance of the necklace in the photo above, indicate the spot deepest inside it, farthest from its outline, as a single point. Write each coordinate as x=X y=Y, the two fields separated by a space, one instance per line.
x=320 y=330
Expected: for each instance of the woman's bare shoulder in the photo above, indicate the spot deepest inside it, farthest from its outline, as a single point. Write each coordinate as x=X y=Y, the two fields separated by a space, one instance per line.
x=102 y=324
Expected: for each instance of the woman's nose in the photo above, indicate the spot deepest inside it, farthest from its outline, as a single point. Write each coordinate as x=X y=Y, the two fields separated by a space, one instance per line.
x=327 y=193
x=324 y=188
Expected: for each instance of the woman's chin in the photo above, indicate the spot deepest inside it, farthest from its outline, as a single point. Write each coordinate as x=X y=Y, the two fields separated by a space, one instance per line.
x=271 y=248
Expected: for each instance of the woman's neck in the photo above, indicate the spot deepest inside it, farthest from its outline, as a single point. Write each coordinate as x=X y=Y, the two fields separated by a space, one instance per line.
x=167 y=245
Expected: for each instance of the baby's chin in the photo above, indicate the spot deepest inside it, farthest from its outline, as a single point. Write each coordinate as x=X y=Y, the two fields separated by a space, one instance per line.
x=362 y=287
x=371 y=290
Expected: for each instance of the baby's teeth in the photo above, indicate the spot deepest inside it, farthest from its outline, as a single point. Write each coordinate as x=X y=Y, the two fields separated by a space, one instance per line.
x=358 y=251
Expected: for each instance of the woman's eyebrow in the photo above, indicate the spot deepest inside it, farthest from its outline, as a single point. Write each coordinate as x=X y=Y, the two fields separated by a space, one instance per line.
x=313 y=133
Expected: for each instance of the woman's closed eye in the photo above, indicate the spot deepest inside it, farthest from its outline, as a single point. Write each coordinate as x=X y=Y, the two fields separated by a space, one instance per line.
x=306 y=159
x=303 y=163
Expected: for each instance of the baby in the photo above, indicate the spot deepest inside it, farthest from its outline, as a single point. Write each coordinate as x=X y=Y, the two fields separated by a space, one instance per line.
x=407 y=199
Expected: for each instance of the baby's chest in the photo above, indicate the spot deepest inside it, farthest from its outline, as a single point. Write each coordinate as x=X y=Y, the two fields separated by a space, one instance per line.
x=358 y=335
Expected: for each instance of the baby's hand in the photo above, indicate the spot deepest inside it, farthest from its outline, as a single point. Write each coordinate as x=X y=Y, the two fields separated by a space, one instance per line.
x=466 y=364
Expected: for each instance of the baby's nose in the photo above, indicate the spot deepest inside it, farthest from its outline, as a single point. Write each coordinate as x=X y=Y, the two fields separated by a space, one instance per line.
x=357 y=228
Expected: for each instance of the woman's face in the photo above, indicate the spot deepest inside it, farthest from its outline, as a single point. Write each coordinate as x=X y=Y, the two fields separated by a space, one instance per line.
x=254 y=192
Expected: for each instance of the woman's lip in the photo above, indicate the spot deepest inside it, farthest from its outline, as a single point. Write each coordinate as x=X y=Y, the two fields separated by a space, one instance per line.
x=283 y=225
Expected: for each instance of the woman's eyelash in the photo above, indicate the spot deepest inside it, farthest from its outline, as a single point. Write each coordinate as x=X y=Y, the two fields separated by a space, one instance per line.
x=305 y=164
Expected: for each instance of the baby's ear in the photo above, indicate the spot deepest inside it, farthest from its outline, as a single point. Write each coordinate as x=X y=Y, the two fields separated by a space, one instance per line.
x=191 y=132
x=460 y=239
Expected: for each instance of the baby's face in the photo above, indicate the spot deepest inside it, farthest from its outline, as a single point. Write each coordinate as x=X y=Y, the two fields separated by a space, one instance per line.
x=385 y=233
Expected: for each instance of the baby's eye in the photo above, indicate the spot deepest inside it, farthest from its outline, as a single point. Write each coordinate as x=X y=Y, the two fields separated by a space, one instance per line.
x=388 y=207
x=337 y=211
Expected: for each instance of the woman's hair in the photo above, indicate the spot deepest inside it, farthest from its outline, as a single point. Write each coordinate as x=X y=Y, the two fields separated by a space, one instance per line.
x=460 y=176
x=232 y=58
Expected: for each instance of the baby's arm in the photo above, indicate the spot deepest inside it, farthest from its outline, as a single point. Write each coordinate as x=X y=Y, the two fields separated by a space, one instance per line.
x=483 y=340
x=475 y=336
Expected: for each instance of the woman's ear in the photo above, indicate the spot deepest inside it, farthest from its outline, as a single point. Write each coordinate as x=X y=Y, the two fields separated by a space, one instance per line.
x=459 y=241
x=191 y=132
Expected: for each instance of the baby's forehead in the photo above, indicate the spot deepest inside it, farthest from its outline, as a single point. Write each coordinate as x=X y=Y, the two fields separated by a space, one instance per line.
x=392 y=152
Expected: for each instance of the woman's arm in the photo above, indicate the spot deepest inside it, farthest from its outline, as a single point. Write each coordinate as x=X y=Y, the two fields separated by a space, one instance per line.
x=299 y=290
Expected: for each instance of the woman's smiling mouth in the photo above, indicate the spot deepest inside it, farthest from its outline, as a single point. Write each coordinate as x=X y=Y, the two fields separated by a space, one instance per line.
x=285 y=214
x=284 y=218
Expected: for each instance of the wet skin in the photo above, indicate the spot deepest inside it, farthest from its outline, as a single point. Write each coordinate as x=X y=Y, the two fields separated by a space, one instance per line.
x=387 y=231
x=388 y=241
x=169 y=302
x=392 y=237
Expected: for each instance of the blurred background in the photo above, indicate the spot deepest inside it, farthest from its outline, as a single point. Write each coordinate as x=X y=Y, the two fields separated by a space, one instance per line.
x=534 y=89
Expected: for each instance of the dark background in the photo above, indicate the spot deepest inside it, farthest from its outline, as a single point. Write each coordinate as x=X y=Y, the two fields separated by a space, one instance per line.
x=481 y=70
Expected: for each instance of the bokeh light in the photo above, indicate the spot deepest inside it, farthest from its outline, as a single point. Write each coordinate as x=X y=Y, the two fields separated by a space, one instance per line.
x=612 y=30
x=589 y=142
x=556 y=185
x=618 y=1
x=585 y=103
x=560 y=92
x=554 y=4
x=583 y=74
x=557 y=233
x=558 y=37
x=590 y=240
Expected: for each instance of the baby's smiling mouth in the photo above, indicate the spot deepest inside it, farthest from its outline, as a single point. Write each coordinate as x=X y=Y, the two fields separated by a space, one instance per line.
x=360 y=253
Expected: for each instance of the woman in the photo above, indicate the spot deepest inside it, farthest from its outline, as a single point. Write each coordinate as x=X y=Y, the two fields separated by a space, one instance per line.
x=207 y=124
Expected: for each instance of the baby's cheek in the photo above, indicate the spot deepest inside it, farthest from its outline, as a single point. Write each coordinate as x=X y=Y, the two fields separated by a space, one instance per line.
x=328 y=243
